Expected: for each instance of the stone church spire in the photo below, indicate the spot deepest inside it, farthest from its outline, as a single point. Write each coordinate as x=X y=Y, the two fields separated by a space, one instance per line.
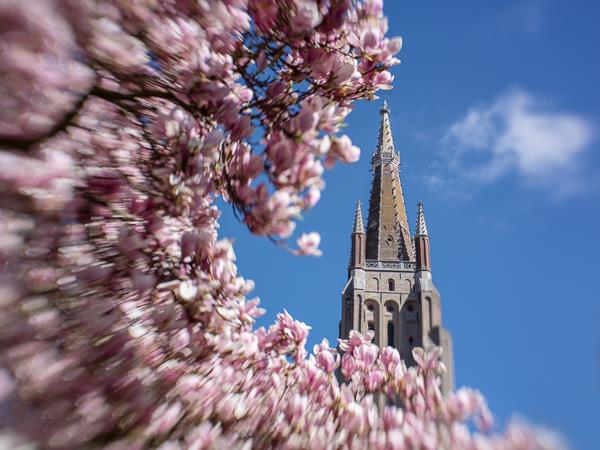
x=390 y=290
x=388 y=235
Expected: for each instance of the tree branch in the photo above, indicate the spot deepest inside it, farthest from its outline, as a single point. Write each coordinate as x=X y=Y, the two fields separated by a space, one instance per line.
x=27 y=143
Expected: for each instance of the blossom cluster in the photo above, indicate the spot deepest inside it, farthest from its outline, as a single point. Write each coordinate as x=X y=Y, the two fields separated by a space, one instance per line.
x=123 y=320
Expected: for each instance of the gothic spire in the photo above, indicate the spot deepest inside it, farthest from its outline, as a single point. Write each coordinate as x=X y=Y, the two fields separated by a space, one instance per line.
x=385 y=142
x=421 y=229
x=358 y=220
x=388 y=236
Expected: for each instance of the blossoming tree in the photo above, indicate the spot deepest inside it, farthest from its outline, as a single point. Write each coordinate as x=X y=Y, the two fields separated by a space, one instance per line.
x=124 y=322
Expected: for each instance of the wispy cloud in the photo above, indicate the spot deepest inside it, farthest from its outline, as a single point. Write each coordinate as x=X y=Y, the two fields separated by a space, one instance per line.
x=518 y=134
x=528 y=15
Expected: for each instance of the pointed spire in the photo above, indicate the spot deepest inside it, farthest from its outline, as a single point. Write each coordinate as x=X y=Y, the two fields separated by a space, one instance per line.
x=388 y=235
x=357 y=254
x=358 y=220
x=421 y=229
x=385 y=144
x=422 y=248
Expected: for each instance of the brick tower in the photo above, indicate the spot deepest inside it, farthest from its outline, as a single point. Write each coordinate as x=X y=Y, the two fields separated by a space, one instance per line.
x=389 y=289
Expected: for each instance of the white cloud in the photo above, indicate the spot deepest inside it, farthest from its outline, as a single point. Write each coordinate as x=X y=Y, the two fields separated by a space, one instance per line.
x=519 y=133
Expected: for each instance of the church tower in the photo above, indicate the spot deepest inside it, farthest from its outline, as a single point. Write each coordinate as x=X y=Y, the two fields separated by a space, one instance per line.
x=390 y=289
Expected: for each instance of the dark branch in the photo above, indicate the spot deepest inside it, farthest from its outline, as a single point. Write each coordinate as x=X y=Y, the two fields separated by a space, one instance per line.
x=25 y=144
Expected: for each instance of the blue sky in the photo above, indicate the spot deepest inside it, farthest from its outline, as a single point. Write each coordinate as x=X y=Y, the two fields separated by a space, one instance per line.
x=496 y=115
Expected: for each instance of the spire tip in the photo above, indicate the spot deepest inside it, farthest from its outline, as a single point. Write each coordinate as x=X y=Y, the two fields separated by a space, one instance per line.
x=421 y=225
x=358 y=220
x=385 y=108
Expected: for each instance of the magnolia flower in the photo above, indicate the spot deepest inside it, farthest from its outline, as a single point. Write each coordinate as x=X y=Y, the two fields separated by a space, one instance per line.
x=113 y=45
x=307 y=15
x=343 y=150
x=390 y=358
x=312 y=197
x=326 y=357
x=308 y=244
x=428 y=360
x=394 y=45
x=383 y=80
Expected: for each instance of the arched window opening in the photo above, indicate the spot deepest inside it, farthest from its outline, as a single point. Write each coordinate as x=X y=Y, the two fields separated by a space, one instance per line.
x=371 y=325
x=390 y=334
x=371 y=307
x=389 y=307
x=391 y=285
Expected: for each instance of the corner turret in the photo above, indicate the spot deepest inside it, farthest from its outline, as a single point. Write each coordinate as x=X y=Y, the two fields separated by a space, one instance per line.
x=422 y=251
x=357 y=257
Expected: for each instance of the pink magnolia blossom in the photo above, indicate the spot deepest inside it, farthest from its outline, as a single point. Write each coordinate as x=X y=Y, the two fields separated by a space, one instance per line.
x=308 y=244
x=326 y=357
x=343 y=150
x=306 y=16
